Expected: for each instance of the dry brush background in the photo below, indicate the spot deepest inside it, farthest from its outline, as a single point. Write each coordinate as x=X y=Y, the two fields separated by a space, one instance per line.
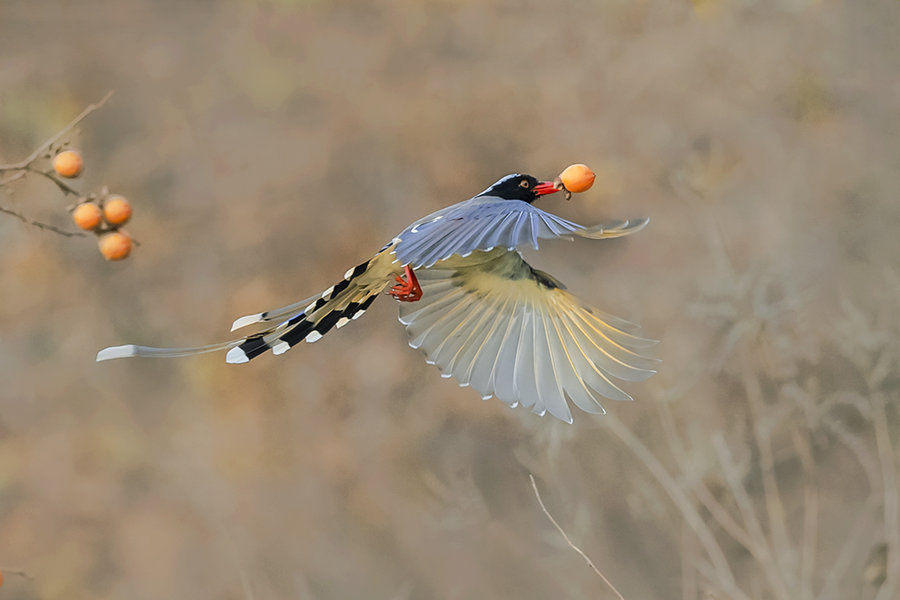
x=267 y=146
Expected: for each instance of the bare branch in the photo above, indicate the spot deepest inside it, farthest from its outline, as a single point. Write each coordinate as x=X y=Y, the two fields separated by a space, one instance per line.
x=62 y=185
x=17 y=175
x=803 y=446
x=59 y=135
x=680 y=499
x=715 y=508
x=587 y=559
x=23 y=167
x=752 y=524
x=726 y=521
x=857 y=448
x=780 y=544
x=891 y=493
x=40 y=225
x=852 y=547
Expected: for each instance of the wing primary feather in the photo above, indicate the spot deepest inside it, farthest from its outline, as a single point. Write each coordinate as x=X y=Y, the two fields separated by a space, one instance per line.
x=450 y=245
x=616 y=328
x=503 y=377
x=505 y=326
x=636 y=370
x=499 y=231
x=547 y=379
x=558 y=225
x=550 y=228
x=435 y=333
x=533 y=223
x=613 y=230
x=417 y=316
x=592 y=375
x=465 y=359
x=516 y=230
x=432 y=250
x=525 y=384
x=425 y=319
x=453 y=335
x=471 y=336
x=577 y=390
x=484 y=357
x=476 y=239
x=491 y=222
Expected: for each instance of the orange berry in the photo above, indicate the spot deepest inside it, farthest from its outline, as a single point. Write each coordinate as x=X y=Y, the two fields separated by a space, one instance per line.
x=577 y=178
x=1 y=578
x=87 y=216
x=116 y=210
x=115 y=245
x=68 y=163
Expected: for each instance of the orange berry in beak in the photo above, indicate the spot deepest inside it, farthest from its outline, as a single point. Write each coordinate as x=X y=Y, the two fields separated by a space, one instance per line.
x=577 y=178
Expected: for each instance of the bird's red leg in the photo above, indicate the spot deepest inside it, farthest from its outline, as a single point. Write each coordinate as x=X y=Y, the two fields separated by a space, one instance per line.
x=406 y=290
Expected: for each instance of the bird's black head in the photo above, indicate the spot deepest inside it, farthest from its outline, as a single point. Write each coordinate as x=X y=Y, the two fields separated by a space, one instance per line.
x=520 y=187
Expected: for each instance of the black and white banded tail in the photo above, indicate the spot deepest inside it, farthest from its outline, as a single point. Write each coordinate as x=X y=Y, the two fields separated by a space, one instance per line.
x=333 y=308
x=307 y=320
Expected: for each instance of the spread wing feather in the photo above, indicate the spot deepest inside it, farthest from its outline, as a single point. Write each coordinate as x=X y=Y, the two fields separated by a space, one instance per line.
x=487 y=222
x=494 y=323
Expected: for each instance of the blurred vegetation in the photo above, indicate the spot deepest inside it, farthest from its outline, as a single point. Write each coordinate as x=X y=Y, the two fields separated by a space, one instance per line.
x=269 y=145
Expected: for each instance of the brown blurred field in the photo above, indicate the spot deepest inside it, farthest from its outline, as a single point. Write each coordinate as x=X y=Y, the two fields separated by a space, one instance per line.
x=268 y=146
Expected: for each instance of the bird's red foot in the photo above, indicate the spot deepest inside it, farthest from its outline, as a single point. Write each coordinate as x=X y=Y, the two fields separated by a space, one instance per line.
x=407 y=290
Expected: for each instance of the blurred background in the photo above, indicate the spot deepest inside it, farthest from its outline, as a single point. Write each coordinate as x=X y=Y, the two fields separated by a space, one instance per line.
x=269 y=145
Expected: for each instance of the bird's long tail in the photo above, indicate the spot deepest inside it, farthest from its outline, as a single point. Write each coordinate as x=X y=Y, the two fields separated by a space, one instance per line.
x=308 y=320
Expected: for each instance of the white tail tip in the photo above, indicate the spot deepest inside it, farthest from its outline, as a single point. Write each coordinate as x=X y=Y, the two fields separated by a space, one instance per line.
x=117 y=352
x=236 y=356
x=247 y=320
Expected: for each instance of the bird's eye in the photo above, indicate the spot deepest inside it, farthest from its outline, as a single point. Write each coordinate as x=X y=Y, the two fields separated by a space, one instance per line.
x=524 y=184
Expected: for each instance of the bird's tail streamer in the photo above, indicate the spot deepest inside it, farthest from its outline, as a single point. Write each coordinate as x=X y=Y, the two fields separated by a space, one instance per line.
x=307 y=320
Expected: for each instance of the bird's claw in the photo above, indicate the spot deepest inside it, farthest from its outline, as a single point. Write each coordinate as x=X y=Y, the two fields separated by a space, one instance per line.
x=406 y=290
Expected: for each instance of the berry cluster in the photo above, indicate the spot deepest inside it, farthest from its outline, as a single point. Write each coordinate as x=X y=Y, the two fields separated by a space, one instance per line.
x=103 y=213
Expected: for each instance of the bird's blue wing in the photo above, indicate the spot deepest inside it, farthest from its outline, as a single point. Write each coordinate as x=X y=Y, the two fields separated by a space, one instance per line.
x=481 y=223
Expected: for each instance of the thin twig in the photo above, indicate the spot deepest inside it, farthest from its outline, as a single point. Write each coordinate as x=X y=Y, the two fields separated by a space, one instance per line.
x=781 y=547
x=62 y=132
x=858 y=532
x=763 y=552
x=715 y=508
x=62 y=185
x=21 y=168
x=725 y=520
x=40 y=225
x=689 y=585
x=715 y=586
x=681 y=501
x=803 y=446
x=891 y=492
x=17 y=175
x=864 y=458
x=562 y=532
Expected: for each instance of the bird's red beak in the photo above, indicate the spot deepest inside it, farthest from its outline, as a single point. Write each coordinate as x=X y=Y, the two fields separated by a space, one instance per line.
x=545 y=187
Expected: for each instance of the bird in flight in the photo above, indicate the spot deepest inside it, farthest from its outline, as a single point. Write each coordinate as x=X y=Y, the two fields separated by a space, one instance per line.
x=473 y=306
